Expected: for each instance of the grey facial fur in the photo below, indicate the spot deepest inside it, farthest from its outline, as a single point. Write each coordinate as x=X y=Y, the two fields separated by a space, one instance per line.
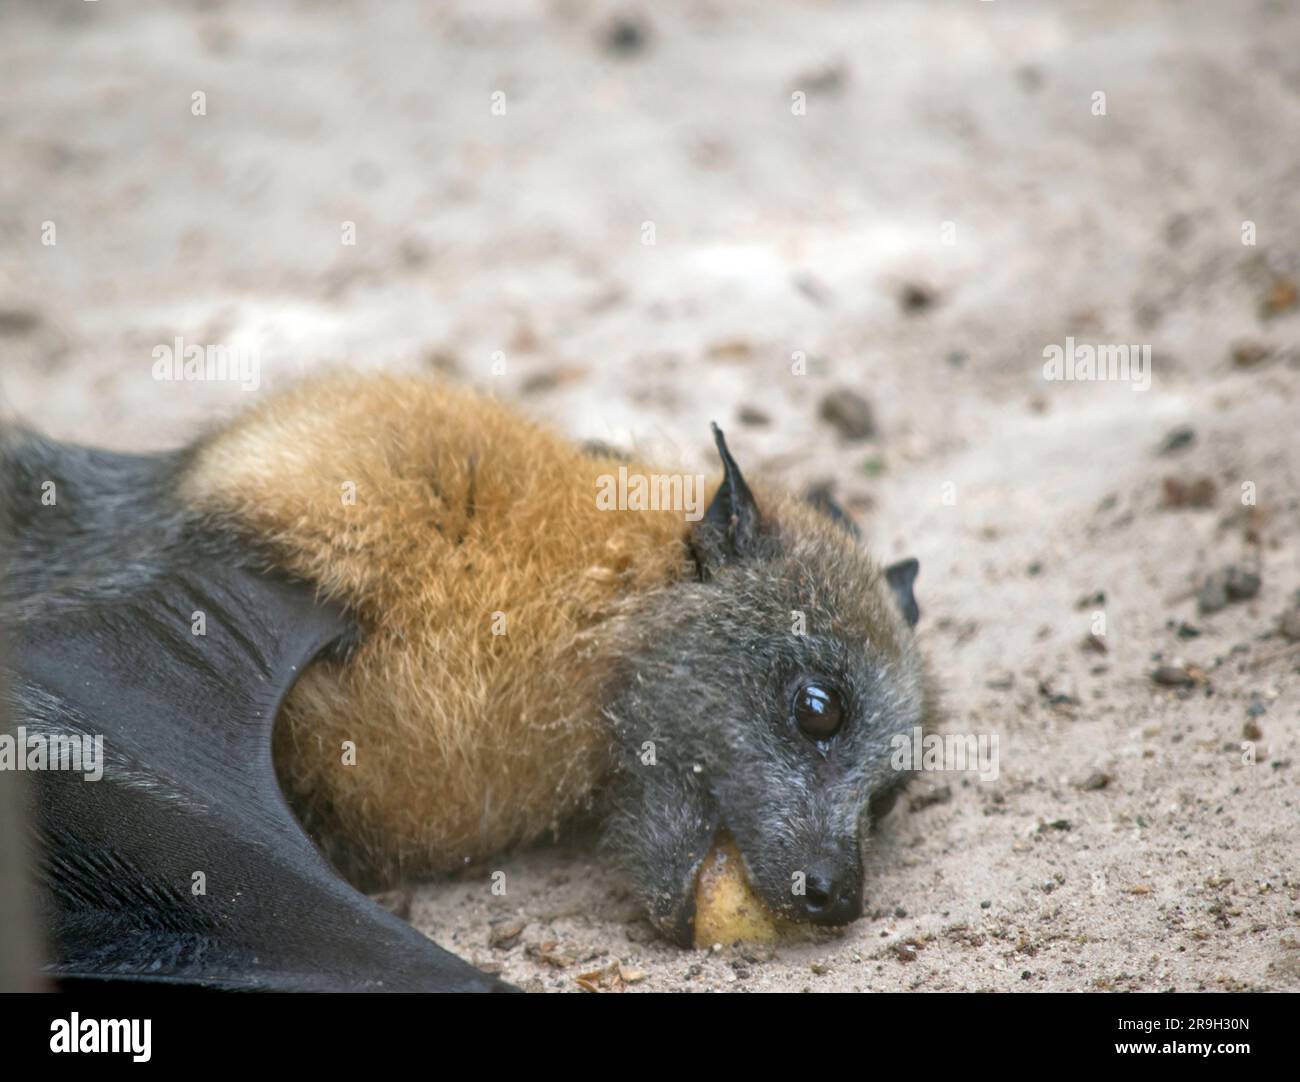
x=704 y=731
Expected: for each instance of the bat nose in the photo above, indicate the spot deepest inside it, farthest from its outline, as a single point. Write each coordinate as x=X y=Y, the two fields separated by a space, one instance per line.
x=831 y=896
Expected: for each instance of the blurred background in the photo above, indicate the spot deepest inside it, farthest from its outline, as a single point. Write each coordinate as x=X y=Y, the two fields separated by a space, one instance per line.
x=847 y=231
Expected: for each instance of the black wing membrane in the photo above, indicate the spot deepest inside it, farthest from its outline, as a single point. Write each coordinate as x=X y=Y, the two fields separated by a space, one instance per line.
x=182 y=863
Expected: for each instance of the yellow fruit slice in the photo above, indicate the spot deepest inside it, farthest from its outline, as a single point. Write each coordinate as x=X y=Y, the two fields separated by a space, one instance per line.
x=726 y=909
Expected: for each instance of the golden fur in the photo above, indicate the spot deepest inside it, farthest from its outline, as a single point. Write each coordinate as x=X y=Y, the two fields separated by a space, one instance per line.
x=466 y=741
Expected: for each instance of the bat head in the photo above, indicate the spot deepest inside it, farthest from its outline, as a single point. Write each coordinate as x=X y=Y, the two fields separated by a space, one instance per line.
x=762 y=698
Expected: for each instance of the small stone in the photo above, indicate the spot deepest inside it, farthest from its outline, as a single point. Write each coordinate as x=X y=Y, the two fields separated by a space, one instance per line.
x=1249 y=352
x=1172 y=676
x=731 y=350
x=1194 y=492
x=1054 y=697
x=1094 y=643
x=1212 y=597
x=927 y=799
x=1231 y=584
x=849 y=414
x=553 y=954
x=828 y=79
x=1283 y=295
x=626 y=35
x=1096 y=780
x=18 y=321
x=1289 y=626
x=504 y=934
x=541 y=382
x=917 y=297
x=1176 y=439
x=1241 y=585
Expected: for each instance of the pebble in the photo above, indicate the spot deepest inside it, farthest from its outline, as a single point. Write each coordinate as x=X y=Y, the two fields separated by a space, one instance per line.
x=1176 y=439
x=849 y=414
x=1172 y=676
x=1283 y=296
x=921 y=800
x=1189 y=492
x=1248 y=353
x=626 y=36
x=1241 y=585
x=18 y=321
x=1231 y=584
x=1212 y=597
x=504 y=934
x=1289 y=625
x=917 y=297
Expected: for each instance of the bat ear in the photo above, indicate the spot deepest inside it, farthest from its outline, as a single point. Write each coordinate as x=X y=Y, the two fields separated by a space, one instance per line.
x=901 y=576
x=729 y=529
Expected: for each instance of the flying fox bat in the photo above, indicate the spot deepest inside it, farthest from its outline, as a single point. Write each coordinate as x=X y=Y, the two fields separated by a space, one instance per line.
x=395 y=613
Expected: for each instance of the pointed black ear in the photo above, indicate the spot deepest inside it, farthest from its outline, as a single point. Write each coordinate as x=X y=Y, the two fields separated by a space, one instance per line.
x=729 y=529
x=901 y=576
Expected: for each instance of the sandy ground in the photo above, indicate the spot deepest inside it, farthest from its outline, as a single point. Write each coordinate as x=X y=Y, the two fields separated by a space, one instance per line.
x=1138 y=836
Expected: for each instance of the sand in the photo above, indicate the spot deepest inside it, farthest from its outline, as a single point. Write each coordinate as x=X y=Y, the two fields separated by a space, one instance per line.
x=948 y=205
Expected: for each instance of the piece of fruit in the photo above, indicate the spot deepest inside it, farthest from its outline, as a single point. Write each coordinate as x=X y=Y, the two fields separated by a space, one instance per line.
x=726 y=909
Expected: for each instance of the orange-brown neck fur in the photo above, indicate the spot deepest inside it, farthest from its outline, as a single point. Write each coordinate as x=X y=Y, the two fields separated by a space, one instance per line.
x=468 y=543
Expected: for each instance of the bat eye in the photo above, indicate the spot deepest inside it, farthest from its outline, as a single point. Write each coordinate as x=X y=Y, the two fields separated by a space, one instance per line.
x=817 y=711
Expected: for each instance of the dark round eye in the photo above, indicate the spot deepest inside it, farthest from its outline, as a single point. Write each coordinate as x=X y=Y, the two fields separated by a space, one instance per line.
x=817 y=711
